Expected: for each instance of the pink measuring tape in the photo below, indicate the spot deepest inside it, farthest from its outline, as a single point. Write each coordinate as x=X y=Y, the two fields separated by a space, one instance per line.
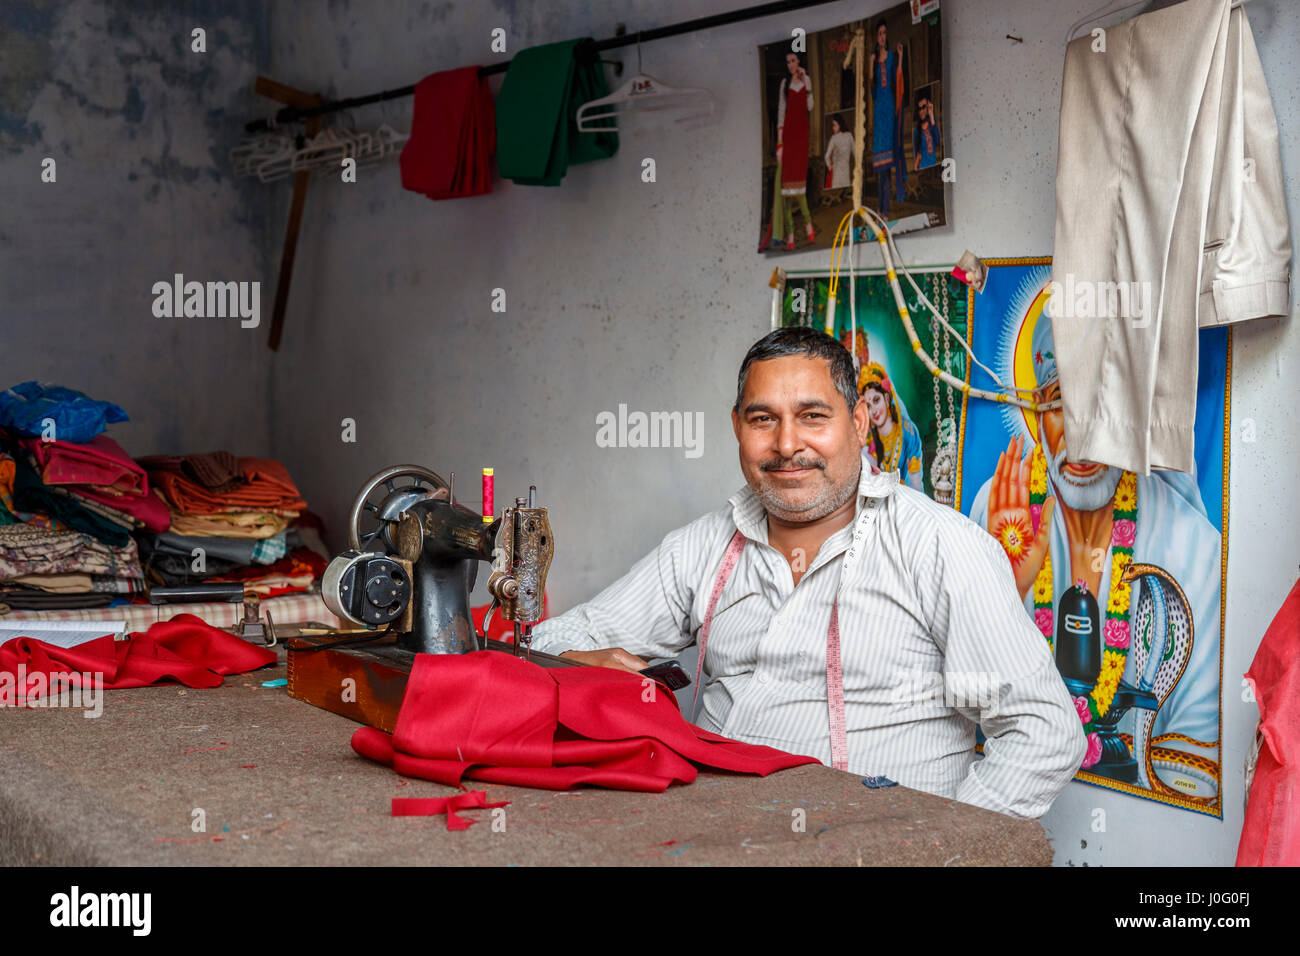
x=834 y=668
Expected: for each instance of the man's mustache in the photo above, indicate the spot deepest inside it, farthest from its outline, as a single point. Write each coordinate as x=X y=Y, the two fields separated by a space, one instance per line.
x=781 y=464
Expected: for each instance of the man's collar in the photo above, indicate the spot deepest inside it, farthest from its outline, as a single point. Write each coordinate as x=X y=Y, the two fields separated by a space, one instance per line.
x=751 y=517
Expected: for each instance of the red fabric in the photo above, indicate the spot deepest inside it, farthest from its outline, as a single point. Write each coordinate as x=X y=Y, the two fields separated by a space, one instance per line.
x=794 y=140
x=266 y=487
x=149 y=509
x=1270 y=835
x=100 y=461
x=494 y=717
x=453 y=136
x=102 y=472
x=299 y=562
x=184 y=649
x=433 y=806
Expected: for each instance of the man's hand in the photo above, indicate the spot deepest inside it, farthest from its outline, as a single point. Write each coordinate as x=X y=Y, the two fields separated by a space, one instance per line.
x=615 y=657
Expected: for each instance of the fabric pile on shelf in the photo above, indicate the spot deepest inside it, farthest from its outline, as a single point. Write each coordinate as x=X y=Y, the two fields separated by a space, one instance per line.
x=69 y=499
x=232 y=520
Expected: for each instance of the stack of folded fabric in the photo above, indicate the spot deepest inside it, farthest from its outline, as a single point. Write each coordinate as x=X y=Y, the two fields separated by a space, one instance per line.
x=230 y=521
x=69 y=499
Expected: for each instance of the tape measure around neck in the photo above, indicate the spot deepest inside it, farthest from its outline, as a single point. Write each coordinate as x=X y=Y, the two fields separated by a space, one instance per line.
x=834 y=667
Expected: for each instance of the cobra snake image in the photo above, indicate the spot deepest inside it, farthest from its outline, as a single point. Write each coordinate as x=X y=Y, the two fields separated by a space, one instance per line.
x=1163 y=634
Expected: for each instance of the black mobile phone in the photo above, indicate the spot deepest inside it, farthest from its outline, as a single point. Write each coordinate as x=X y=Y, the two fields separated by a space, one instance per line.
x=668 y=673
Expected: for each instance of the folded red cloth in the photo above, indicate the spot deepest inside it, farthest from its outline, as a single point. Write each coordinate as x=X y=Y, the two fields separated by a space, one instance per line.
x=1270 y=835
x=100 y=462
x=184 y=649
x=266 y=487
x=453 y=136
x=434 y=806
x=495 y=717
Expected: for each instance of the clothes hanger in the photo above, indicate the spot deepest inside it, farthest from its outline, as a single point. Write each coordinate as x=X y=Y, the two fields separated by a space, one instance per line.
x=276 y=163
x=1118 y=6
x=643 y=94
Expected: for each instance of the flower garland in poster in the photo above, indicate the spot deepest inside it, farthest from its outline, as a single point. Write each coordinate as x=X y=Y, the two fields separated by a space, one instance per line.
x=1116 y=630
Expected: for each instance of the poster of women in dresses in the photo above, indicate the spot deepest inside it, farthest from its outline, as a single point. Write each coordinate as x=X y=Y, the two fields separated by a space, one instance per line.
x=810 y=103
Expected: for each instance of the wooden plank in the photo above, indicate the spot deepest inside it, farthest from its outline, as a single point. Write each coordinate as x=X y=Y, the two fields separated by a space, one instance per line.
x=280 y=93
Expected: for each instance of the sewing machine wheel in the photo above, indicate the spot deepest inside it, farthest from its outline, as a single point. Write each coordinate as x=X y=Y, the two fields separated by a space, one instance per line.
x=372 y=523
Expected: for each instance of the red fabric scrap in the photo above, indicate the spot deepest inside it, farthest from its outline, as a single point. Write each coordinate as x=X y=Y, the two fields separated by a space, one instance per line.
x=433 y=806
x=494 y=717
x=185 y=649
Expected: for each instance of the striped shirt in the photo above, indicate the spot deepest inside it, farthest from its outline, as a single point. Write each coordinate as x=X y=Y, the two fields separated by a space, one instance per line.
x=934 y=639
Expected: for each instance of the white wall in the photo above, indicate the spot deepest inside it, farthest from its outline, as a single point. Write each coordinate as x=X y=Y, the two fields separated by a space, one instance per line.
x=649 y=294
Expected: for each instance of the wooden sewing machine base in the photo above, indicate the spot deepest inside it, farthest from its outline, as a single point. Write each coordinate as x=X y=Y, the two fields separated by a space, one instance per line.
x=378 y=670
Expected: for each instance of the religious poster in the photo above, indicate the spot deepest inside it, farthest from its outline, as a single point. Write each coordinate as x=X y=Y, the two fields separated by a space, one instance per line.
x=810 y=98
x=914 y=417
x=1121 y=573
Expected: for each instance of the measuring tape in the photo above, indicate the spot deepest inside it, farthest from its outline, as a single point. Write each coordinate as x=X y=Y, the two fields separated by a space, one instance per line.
x=834 y=666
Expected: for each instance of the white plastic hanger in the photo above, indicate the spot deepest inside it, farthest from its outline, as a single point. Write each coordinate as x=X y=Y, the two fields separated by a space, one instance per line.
x=644 y=94
x=248 y=156
x=1117 y=6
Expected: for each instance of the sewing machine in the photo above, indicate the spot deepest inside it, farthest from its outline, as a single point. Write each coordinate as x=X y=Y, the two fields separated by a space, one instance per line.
x=405 y=581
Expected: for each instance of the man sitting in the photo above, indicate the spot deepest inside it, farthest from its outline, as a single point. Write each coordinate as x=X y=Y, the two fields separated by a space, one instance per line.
x=847 y=616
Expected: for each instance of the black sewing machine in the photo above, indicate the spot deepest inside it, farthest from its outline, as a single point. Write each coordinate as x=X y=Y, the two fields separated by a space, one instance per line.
x=414 y=570
x=405 y=581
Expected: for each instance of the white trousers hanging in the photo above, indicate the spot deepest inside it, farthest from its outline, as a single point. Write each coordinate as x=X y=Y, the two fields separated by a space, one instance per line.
x=1170 y=216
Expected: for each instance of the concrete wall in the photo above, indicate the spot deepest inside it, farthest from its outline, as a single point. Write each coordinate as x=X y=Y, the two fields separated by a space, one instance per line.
x=138 y=126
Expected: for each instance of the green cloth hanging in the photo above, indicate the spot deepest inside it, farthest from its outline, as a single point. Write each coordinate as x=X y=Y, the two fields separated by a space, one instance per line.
x=536 y=110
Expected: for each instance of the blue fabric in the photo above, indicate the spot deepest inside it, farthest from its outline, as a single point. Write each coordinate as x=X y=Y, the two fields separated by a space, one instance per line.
x=877 y=783
x=883 y=114
x=77 y=418
x=929 y=157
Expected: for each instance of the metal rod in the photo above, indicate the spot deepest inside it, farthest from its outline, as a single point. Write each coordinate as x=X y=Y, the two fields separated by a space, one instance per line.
x=290 y=114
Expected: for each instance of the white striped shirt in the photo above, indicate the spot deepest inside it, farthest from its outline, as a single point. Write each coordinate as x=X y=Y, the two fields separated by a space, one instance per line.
x=934 y=638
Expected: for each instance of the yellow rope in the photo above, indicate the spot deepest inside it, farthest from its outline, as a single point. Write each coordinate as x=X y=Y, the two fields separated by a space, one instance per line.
x=843 y=237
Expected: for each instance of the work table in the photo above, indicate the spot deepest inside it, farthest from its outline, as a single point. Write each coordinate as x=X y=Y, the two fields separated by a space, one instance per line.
x=278 y=784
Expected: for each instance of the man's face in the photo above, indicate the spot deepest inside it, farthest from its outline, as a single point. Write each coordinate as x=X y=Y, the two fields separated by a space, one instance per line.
x=800 y=447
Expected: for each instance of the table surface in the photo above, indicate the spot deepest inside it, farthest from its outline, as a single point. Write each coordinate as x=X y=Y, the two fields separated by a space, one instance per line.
x=278 y=784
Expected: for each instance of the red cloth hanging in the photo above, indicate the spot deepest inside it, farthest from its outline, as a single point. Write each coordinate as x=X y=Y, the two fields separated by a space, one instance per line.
x=453 y=136
x=494 y=717
x=184 y=649
x=1270 y=835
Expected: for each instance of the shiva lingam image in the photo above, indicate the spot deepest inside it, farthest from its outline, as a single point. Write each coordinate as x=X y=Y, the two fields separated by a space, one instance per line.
x=1078 y=657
